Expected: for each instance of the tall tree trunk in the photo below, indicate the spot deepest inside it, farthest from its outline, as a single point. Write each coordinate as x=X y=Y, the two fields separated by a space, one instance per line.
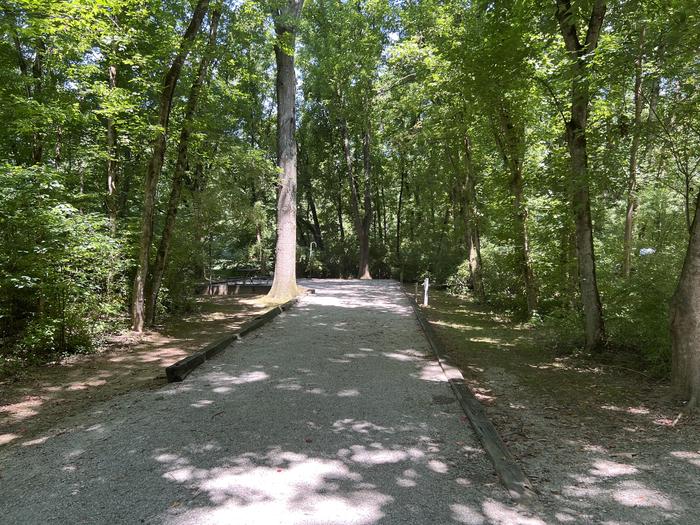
x=284 y=284
x=314 y=216
x=632 y=201
x=155 y=166
x=363 y=270
x=581 y=55
x=473 y=235
x=339 y=209
x=112 y=166
x=685 y=322
x=510 y=139
x=362 y=222
x=181 y=167
x=38 y=83
x=402 y=169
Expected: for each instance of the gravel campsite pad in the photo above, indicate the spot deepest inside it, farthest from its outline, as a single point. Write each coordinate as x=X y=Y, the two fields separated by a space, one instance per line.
x=335 y=413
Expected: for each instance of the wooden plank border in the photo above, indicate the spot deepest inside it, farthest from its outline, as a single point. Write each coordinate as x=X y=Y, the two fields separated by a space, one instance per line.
x=508 y=469
x=181 y=369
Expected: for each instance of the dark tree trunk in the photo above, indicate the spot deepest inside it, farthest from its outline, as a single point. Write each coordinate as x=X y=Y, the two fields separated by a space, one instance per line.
x=402 y=169
x=362 y=222
x=181 y=167
x=112 y=160
x=510 y=139
x=314 y=216
x=284 y=284
x=363 y=270
x=632 y=201
x=685 y=322
x=471 y=220
x=155 y=166
x=581 y=55
x=38 y=83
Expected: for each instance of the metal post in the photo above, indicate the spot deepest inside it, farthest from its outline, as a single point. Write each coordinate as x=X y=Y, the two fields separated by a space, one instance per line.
x=426 y=285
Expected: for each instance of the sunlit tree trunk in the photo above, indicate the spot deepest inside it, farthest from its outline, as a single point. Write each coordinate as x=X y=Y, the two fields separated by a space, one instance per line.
x=581 y=55
x=155 y=166
x=284 y=284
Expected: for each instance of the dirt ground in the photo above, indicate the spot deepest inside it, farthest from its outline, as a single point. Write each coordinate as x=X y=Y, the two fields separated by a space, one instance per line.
x=35 y=403
x=602 y=443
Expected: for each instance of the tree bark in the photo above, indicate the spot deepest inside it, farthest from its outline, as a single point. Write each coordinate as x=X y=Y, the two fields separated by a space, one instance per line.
x=284 y=284
x=473 y=235
x=181 y=166
x=38 y=86
x=363 y=270
x=685 y=322
x=511 y=142
x=632 y=200
x=155 y=165
x=362 y=222
x=112 y=161
x=402 y=169
x=581 y=54
x=318 y=237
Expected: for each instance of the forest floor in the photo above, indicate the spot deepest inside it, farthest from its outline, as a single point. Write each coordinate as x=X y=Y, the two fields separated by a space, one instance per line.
x=41 y=396
x=601 y=442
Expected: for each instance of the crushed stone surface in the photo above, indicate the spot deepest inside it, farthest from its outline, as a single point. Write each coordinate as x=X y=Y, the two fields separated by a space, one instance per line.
x=334 y=413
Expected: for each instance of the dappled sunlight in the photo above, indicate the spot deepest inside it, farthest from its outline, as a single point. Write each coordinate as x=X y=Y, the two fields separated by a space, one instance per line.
x=691 y=457
x=431 y=371
x=7 y=438
x=362 y=427
x=492 y=512
x=635 y=494
x=458 y=326
x=130 y=361
x=295 y=487
x=605 y=468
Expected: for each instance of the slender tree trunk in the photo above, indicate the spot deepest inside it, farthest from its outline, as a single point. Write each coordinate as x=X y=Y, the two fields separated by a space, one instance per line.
x=362 y=223
x=38 y=85
x=339 y=209
x=581 y=54
x=363 y=270
x=511 y=142
x=155 y=166
x=685 y=322
x=314 y=216
x=473 y=236
x=402 y=169
x=112 y=160
x=284 y=284
x=632 y=201
x=181 y=167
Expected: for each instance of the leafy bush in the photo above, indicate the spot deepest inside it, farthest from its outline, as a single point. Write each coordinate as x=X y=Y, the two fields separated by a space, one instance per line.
x=58 y=267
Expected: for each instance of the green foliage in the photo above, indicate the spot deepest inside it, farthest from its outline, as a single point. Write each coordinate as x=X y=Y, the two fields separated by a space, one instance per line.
x=58 y=267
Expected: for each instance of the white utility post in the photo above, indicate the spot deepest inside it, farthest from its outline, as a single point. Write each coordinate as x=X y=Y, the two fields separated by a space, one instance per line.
x=426 y=285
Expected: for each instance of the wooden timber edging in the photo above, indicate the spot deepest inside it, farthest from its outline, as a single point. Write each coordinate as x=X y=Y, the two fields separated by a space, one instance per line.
x=181 y=369
x=509 y=471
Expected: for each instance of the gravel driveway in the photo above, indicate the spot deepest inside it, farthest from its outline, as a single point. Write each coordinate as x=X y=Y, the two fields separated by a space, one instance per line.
x=334 y=413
